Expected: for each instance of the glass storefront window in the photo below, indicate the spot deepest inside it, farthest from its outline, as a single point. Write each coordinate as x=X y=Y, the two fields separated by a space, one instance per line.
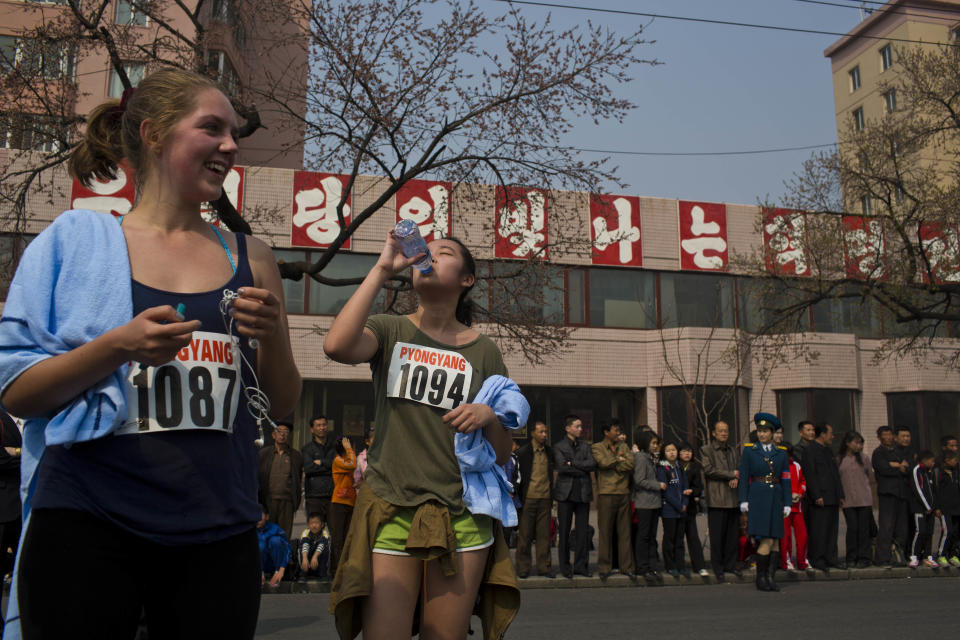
x=623 y=298
x=327 y=299
x=576 y=295
x=833 y=406
x=696 y=300
x=688 y=414
x=593 y=406
x=294 y=292
x=929 y=414
x=531 y=292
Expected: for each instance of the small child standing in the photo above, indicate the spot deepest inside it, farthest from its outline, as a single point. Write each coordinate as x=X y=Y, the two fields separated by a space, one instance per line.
x=948 y=501
x=314 y=549
x=923 y=506
x=676 y=495
x=794 y=527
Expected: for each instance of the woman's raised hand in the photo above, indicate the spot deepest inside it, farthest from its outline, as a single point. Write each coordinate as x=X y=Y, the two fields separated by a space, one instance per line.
x=155 y=336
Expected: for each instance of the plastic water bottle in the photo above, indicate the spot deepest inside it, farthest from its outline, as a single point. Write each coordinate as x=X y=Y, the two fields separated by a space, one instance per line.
x=412 y=244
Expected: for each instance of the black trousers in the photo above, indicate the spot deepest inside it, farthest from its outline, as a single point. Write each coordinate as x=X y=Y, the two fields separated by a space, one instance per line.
x=858 y=533
x=724 y=526
x=694 y=547
x=566 y=511
x=673 y=531
x=81 y=578
x=922 y=542
x=824 y=529
x=645 y=551
x=892 y=526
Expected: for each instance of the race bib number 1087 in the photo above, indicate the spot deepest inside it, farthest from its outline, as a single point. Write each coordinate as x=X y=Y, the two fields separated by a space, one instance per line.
x=199 y=389
x=434 y=377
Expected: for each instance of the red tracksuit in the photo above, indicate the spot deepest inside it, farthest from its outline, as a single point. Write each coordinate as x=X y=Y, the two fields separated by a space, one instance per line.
x=798 y=484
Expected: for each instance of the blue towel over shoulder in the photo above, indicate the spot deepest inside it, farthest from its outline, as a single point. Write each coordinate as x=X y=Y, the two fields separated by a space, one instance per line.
x=486 y=489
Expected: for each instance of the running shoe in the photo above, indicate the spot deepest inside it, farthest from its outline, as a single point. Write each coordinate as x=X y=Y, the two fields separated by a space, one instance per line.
x=790 y=566
x=930 y=562
x=704 y=573
x=955 y=561
x=914 y=562
x=943 y=562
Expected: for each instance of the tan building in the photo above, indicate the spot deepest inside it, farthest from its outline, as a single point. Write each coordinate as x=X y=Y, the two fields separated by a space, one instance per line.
x=238 y=47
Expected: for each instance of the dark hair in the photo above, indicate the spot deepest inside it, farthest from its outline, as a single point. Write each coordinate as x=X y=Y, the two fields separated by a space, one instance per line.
x=820 y=428
x=314 y=514
x=569 y=420
x=884 y=429
x=848 y=437
x=644 y=440
x=644 y=427
x=926 y=454
x=684 y=445
x=901 y=428
x=803 y=422
x=264 y=509
x=465 y=306
x=607 y=426
x=317 y=417
x=945 y=440
x=113 y=127
x=284 y=423
x=788 y=448
x=341 y=450
x=753 y=437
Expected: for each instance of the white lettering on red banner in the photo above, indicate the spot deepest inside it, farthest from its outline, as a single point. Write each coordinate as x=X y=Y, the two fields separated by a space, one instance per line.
x=703 y=236
x=436 y=377
x=615 y=228
x=107 y=196
x=863 y=247
x=427 y=204
x=941 y=244
x=521 y=223
x=233 y=187
x=785 y=241
x=315 y=200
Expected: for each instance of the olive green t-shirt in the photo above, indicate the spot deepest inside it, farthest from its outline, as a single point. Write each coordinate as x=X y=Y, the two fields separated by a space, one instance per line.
x=416 y=380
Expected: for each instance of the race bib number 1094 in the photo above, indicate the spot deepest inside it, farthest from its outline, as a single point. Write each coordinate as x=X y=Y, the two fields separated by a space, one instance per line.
x=434 y=377
x=199 y=389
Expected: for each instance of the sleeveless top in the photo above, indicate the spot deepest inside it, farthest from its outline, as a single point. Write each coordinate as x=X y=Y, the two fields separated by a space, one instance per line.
x=183 y=468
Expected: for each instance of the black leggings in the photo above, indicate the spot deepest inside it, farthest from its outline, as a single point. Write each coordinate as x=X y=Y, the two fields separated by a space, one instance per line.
x=82 y=577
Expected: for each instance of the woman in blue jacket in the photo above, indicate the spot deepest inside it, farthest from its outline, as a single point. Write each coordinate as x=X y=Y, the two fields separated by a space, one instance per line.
x=675 y=494
x=765 y=494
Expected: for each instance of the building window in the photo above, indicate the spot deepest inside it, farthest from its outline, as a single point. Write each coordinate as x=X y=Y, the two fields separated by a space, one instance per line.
x=836 y=407
x=31 y=132
x=899 y=195
x=134 y=71
x=886 y=58
x=854 y=79
x=225 y=11
x=219 y=66
x=688 y=413
x=549 y=404
x=623 y=298
x=929 y=414
x=866 y=205
x=49 y=59
x=131 y=12
x=528 y=292
x=329 y=299
x=857 y=315
x=858 y=121
x=576 y=292
x=294 y=292
x=890 y=100
x=696 y=300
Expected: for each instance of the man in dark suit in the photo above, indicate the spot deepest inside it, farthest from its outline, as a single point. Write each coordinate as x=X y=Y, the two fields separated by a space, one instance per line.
x=825 y=494
x=10 y=444
x=535 y=460
x=573 y=460
x=280 y=470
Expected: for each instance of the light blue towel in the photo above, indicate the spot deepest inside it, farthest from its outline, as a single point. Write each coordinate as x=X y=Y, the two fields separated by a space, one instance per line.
x=72 y=285
x=486 y=489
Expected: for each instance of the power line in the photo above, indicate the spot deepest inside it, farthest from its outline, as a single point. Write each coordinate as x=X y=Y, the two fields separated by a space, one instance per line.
x=702 y=153
x=729 y=23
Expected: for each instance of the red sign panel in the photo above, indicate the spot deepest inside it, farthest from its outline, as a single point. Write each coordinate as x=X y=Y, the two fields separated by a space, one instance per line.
x=107 y=196
x=941 y=244
x=615 y=230
x=521 y=223
x=703 y=236
x=315 y=200
x=863 y=247
x=785 y=242
x=427 y=204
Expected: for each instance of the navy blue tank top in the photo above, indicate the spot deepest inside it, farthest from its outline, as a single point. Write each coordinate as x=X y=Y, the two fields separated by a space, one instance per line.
x=183 y=468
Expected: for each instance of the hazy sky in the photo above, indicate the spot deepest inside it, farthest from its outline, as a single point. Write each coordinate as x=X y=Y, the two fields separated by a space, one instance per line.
x=721 y=88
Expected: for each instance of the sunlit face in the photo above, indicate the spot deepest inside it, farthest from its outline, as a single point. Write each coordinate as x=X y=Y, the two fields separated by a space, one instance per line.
x=721 y=432
x=613 y=435
x=827 y=436
x=778 y=436
x=855 y=446
x=686 y=455
x=315 y=525
x=318 y=428
x=886 y=438
x=194 y=157
x=903 y=438
x=764 y=436
x=448 y=268
x=654 y=446
x=808 y=431
x=539 y=433
x=670 y=452
x=951 y=445
x=281 y=435
x=574 y=429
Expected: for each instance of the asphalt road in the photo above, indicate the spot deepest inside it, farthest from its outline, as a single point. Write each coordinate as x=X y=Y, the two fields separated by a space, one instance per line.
x=874 y=609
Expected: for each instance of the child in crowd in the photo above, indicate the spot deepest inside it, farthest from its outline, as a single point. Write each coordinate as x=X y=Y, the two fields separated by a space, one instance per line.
x=948 y=501
x=274 y=549
x=676 y=495
x=794 y=527
x=923 y=507
x=694 y=472
x=314 y=549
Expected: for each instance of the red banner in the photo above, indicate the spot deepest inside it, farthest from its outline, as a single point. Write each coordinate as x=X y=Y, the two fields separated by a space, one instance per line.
x=785 y=242
x=941 y=244
x=107 y=196
x=703 y=236
x=233 y=187
x=315 y=200
x=521 y=223
x=427 y=204
x=615 y=230
x=863 y=247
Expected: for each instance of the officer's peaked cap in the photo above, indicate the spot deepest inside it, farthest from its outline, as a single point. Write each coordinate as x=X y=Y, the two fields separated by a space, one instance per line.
x=767 y=421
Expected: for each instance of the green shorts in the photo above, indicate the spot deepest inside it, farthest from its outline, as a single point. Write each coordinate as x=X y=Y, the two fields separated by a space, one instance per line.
x=472 y=532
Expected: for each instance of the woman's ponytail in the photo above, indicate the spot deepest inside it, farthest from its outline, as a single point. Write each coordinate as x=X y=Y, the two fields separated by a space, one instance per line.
x=101 y=149
x=465 y=306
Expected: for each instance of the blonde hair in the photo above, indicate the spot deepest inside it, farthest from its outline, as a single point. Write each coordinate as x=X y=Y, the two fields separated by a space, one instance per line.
x=113 y=128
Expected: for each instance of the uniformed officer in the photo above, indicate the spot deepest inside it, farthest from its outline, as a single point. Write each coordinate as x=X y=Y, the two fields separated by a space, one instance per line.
x=765 y=495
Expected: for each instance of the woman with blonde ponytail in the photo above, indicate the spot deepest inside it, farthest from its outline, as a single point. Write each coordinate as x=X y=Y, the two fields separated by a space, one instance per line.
x=130 y=348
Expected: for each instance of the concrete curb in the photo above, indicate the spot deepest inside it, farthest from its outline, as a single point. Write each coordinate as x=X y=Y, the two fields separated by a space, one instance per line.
x=617 y=581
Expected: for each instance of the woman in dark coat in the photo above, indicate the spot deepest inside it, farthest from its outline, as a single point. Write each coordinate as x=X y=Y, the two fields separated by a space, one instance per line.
x=765 y=495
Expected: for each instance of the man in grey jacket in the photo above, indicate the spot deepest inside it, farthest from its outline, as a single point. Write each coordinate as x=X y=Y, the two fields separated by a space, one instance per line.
x=721 y=461
x=573 y=461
